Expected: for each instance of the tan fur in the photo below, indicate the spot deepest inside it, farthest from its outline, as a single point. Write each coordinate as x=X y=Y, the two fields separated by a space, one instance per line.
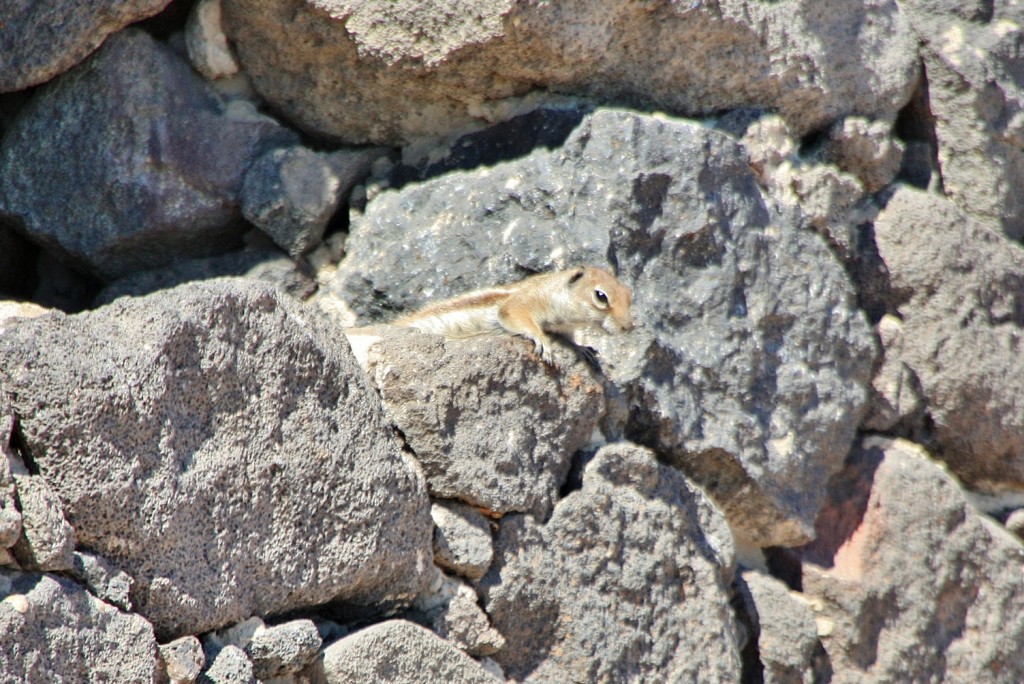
x=561 y=302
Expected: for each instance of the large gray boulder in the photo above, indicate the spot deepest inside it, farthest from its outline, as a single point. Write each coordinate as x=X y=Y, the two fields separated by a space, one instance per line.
x=219 y=443
x=975 y=100
x=628 y=581
x=150 y=164
x=959 y=287
x=42 y=38
x=490 y=423
x=749 y=364
x=51 y=629
x=388 y=72
x=909 y=581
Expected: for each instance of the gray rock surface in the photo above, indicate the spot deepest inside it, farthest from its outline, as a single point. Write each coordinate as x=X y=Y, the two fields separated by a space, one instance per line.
x=182 y=660
x=388 y=72
x=489 y=422
x=102 y=579
x=785 y=629
x=971 y=54
x=42 y=38
x=256 y=262
x=400 y=652
x=959 y=287
x=628 y=581
x=462 y=539
x=150 y=164
x=52 y=627
x=896 y=391
x=10 y=516
x=760 y=417
x=47 y=541
x=463 y=623
x=283 y=649
x=227 y=665
x=865 y=149
x=291 y=193
x=228 y=403
x=913 y=583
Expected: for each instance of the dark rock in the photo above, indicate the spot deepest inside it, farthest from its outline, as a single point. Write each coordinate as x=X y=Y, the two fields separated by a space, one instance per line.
x=150 y=165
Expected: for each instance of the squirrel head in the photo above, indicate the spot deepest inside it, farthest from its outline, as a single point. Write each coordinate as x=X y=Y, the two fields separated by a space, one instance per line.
x=606 y=298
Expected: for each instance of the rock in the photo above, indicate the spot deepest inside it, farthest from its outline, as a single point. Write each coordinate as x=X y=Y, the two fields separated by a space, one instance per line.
x=489 y=423
x=1015 y=523
x=47 y=541
x=787 y=635
x=959 y=287
x=103 y=580
x=463 y=623
x=150 y=165
x=865 y=149
x=389 y=73
x=258 y=263
x=182 y=659
x=228 y=665
x=462 y=539
x=400 y=652
x=184 y=394
x=42 y=39
x=628 y=580
x=207 y=46
x=760 y=417
x=12 y=312
x=291 y=193
x=912 y=582
x=896 y=391
x=975 y=108
x=52 y=627
x=10 y=516
x=283 y=649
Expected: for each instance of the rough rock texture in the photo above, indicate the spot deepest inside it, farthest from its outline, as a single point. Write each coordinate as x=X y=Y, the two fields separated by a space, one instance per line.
x=916 y=585
x=462 y=539
x=750 y=359
x=257 y=262
x=959 y=287
x=971 y=54
x=628 y=580
x=291 y=193
x=131 y=132
x=207 y=46
x=51 y=626
x=465 y=625
x=452 y=609
x=10 y=516
x=896 y=391
x=400 y=652
x=283 y=649
x=47 y=541
x=785 y=632
x=489 y=422
x=227 y=403
x=42 y=38
x=103 y=580
x=388 y=72
x=182 y=660
x=227 y=665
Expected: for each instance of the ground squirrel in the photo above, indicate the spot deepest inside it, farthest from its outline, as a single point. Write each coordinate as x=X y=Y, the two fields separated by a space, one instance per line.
x=561 y=302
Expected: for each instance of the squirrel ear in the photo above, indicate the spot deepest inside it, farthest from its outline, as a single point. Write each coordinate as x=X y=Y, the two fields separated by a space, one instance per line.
x=575 y=275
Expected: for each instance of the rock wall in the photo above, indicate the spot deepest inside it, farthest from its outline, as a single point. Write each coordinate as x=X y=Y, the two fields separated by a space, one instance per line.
x=220 y=464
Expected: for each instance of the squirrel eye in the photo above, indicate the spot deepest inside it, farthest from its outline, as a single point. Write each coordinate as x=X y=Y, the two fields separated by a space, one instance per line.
x=600 y=299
